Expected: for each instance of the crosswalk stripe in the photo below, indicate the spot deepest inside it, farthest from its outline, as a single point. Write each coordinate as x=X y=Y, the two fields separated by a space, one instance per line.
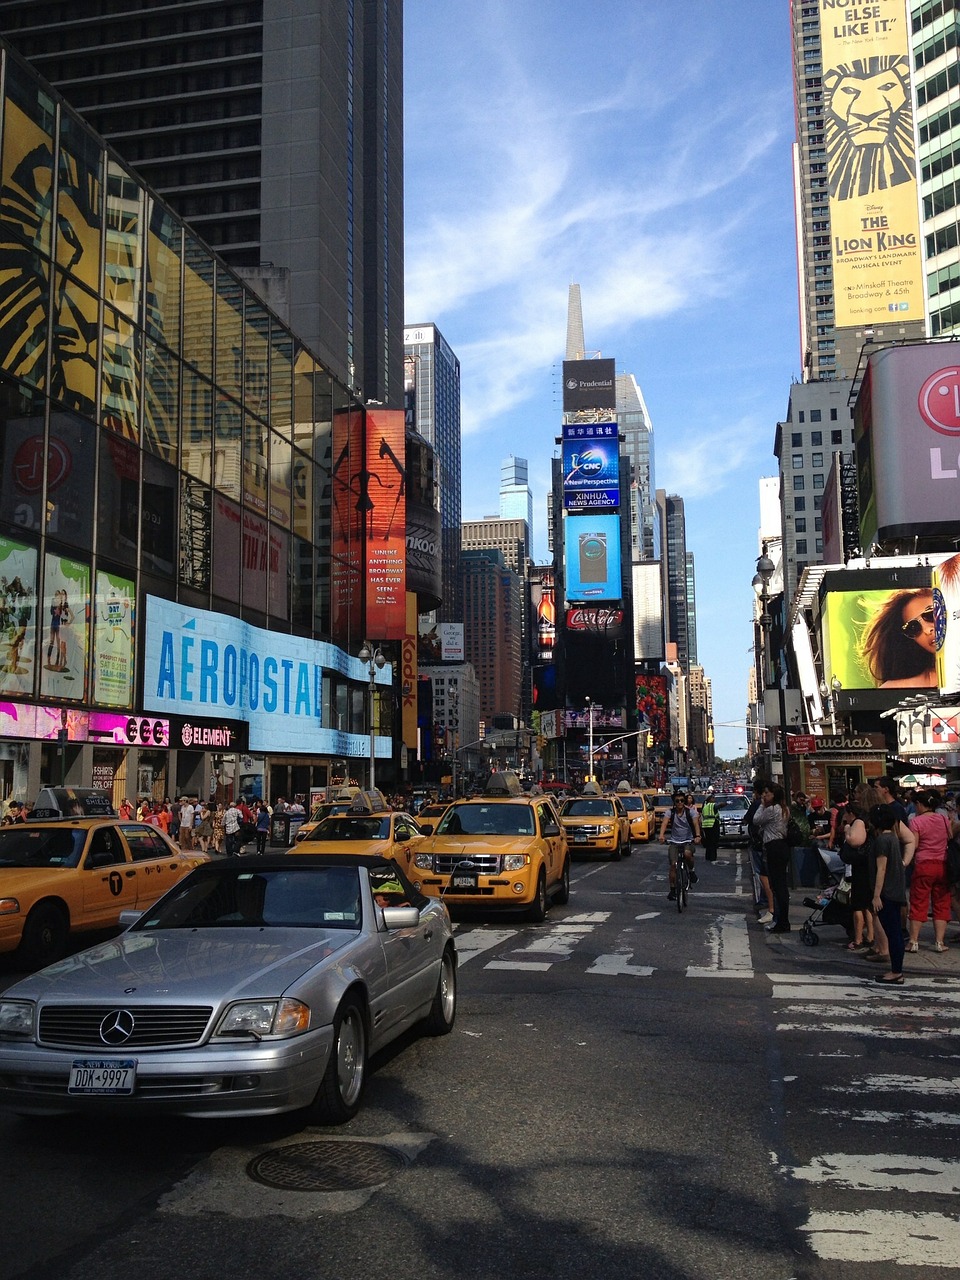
x=729 y=945
x=881 y=1173
x=612 y=965
x=924 y=1032
x=533 y=965
x=923 y=1119
x=882 y=1235
x=475 y=941
x=900 y=1084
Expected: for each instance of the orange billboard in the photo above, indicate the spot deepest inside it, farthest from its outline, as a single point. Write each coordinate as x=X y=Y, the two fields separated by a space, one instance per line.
x=385 y=518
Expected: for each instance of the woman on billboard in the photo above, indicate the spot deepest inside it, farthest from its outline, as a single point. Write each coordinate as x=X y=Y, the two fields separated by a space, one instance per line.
x=898 y=644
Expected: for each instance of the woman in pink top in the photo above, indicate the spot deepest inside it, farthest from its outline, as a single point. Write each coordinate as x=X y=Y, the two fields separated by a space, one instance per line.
x=929 y=881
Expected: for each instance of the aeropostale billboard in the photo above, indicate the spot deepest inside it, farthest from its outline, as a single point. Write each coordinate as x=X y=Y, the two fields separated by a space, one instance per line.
x=871 y=162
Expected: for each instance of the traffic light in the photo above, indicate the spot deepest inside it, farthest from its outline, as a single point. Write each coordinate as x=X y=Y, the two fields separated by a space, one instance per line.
x=649 y=739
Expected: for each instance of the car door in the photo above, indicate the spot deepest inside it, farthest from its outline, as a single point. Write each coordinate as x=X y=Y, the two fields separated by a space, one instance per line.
x=109 y=880
x=157 y=867
x=411 y=956
x=554 y=840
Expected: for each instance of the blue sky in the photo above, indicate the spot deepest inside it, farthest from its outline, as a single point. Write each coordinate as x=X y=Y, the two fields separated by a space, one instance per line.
x=643 y=151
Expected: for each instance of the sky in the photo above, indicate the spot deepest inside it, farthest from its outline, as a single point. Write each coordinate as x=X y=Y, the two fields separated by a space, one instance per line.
x=642 y=151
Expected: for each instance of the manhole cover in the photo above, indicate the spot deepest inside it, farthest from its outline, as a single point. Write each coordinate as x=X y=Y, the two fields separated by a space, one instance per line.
x=325 y=1166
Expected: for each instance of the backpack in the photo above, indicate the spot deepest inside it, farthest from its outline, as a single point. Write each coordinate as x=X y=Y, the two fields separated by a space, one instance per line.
x=796 y=836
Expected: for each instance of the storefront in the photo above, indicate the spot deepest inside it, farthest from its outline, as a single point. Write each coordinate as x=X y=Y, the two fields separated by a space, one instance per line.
x=821 y=766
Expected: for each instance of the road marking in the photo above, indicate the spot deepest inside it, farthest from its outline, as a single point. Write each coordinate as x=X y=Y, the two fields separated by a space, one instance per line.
x=729 y=945
x=881 y=1173
x=612 y=965
x=557 y=940
x=920 y=1119
x=924 y=1033
x=474 y=942
x=882 y=1235
x=518 y=964
x=900 y=1084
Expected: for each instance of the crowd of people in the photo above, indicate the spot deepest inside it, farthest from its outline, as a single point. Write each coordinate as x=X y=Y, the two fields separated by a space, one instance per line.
x=896 y=848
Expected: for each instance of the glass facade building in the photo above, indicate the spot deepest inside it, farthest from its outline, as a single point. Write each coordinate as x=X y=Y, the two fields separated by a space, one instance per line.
x=180 y=552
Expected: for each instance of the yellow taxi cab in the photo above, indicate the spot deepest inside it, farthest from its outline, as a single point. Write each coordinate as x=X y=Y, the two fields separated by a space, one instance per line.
x=501 y=849
x=660 y=803
x=640 y=815
x=596 y=823
x=368 y=827
x=61 y=876
x=321 y=811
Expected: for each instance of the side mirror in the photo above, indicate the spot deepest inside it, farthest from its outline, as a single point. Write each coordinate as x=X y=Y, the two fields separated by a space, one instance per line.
x=427 y=828
x=401 y=917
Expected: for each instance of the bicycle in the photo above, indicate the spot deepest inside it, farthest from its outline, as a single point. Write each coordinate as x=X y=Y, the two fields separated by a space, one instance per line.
x=682 y=882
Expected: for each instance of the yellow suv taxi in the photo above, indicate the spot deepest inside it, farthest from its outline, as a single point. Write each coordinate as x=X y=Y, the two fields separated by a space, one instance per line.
x=365 y=829
x=69 y=875
x=596 y=823
x=501 y=849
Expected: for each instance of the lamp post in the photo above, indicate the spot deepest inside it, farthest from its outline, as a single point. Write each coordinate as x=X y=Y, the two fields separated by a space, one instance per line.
x=589 y=740
x=771 y=671
x=374 y=660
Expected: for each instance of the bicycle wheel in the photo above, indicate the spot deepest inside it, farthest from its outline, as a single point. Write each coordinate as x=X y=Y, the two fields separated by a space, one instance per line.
x=683 y=879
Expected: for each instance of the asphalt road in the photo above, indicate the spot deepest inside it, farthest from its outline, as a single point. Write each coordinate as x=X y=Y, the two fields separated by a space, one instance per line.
x=628 y=1092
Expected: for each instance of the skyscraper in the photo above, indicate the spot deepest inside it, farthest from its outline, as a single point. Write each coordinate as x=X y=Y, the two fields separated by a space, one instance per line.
x=274 y=127
x=678 y=578
x=516 y=496
x=433 y=372
x=858 y=247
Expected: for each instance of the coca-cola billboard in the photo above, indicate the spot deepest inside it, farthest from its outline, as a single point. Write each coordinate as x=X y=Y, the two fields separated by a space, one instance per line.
x=607 y=622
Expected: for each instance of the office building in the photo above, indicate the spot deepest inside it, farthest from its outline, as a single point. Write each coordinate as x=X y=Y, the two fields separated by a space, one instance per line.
x=275 y=129
x=516 y=496
x=509 y=537
x=493 y=611
x=432 y=377
x=677 y=573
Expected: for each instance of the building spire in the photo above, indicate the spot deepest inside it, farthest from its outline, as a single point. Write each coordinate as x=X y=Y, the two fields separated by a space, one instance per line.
x=575 y=344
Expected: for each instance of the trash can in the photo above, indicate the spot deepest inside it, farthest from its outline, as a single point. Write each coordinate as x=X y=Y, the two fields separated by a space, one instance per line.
x=280 y=834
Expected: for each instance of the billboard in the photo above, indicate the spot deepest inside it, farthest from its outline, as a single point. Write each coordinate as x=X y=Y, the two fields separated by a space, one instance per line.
x=946 y=597
x=64 y=645
x=592 y=557
x=653 y=707
x=589 y=384
x=113 y=632
x=591 y=466
x=384 y=481
x=544 y=605
x=907 y=432
x=18 y=616
x=879 y=635
x=871 y=165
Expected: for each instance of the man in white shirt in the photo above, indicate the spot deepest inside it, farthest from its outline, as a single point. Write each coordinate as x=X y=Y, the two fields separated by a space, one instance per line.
x=187 y=812
x=231 y=830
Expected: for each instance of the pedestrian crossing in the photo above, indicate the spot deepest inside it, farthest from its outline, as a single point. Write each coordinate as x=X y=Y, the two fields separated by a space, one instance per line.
x=872 y=1206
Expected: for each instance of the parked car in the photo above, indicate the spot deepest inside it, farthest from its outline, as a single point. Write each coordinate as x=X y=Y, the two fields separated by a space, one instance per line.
x=732 y=809
x=502 y=849
x=63 y=876
x=253 y=987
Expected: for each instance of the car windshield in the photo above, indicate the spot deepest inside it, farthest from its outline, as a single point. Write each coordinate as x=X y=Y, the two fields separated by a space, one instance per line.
x=350 y=827
x=587 y=809
x=632 y=804
x=733 y=803
x=487 y=820
x=25 y=846
x=229 y=898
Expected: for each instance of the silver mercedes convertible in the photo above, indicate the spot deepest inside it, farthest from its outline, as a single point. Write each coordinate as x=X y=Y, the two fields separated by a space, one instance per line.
x=252 y=987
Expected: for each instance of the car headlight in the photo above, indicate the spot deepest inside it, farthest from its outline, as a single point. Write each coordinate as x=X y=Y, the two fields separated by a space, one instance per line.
x=515 y=861
x=424 y=861
x=259 y=1018
x=605 y=829
x=16 y=1018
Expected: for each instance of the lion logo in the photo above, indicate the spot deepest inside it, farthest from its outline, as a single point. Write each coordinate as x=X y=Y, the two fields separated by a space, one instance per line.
x=869 y=126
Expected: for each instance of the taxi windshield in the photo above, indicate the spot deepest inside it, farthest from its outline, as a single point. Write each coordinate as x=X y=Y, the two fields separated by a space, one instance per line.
x=353 y=827
x=487 y=820
x=587 y=809
x=632 y=804
x=25 y=846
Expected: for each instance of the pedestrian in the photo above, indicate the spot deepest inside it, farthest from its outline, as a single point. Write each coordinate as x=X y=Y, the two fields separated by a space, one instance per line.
x=772 y=818
x=679 y=829
x=173 y=830
x=889 y=890
x=231 y=829
x=757 y=855
x=263 y=828
x=219 y=840
x=710 y=826
x=855 y=852
x=204 y=831
x=126 y=810
x=14 y=813
x=187 y=822
x=929 y=884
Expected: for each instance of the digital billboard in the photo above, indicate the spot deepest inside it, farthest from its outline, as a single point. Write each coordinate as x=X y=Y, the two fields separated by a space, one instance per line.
x=591 y=469
x=879 y=635
x=946 y=596
x=385 y=508
x=907 y=433
x=592 y=557
x=589 y=384
x=871 y=165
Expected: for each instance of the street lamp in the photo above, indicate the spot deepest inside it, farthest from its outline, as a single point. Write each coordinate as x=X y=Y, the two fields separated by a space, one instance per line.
x=374 y=660
x=589 y=740
x=771 y=672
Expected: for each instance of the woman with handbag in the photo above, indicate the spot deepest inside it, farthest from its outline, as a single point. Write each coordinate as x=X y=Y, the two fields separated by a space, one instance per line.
x=930 y=883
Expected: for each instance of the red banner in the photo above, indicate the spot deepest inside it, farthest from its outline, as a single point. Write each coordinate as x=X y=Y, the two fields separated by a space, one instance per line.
x=386 y=525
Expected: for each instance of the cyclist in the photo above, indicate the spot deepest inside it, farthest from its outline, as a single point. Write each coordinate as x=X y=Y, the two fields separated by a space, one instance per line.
x=680 y=829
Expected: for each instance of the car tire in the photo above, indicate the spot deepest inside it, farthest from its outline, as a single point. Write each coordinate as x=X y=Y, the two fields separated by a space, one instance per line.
x=45 y=935
x=537 y=911
x=341 y=1089
x=443 y=1012
x=562 y=895
x=628 y=848
x=617 y=853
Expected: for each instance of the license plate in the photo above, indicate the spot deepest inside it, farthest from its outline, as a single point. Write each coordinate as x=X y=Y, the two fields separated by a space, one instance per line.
x=93 y=1075
x=463 y=882
x=580 y=839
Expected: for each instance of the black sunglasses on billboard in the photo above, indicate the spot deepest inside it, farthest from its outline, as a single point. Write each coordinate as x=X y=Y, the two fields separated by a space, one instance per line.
x=914 y=627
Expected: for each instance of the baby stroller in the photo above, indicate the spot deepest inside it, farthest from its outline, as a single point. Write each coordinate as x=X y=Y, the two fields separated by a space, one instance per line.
x=832 y=903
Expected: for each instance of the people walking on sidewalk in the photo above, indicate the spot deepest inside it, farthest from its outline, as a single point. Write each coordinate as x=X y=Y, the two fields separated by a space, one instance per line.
x=772 y=818
x=765 y=902
x=929 y=884
x=889 y=889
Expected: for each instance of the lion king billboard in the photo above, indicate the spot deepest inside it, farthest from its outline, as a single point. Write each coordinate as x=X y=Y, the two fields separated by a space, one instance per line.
x=871 y=163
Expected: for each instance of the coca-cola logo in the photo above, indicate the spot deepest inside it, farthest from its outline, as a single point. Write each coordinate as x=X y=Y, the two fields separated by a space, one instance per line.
x=593 y=619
